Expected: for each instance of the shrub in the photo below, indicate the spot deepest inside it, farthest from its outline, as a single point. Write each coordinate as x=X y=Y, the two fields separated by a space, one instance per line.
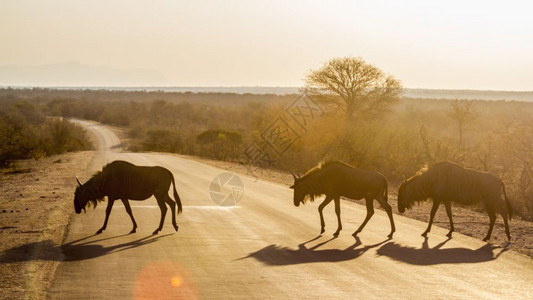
x=26 y=133
x=220 y=143
x=164 y=140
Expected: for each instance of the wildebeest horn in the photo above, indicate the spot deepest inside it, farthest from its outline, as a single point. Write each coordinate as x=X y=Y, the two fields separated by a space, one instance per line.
x=296 y=177
x=78 y=181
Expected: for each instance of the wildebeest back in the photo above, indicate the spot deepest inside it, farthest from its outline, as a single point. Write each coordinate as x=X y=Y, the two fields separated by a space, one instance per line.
x=338 y=179
x=462 y=185
x=125 y=180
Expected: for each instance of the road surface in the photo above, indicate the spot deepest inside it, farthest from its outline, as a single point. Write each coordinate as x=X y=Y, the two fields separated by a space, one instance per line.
x=265 y=247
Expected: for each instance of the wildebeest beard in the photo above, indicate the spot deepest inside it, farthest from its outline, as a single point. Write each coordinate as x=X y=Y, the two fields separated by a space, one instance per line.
x=310 y=195
x=308 y=184
x=415 y=189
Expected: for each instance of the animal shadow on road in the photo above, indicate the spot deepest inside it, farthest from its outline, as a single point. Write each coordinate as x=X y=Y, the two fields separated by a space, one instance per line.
x=75 y=251
x=276 y=255
x=432 y=256
x=72 y=251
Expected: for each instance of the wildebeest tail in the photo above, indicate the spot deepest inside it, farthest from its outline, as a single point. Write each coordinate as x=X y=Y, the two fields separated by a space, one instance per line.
x=507 y=203
x=176 y=196
x=386 y=192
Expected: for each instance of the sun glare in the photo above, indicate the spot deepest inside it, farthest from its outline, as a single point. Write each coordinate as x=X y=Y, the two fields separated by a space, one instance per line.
x=175 y=281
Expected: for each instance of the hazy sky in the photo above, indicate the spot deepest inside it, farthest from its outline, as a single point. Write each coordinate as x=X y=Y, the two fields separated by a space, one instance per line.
x=426 y=44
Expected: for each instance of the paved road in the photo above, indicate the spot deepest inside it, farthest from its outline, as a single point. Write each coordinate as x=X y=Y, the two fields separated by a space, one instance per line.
x=266 y=248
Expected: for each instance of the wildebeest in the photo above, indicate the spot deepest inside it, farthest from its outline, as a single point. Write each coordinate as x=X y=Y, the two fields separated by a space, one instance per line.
x=336 y=179
x=447 y=182
x=125 y=181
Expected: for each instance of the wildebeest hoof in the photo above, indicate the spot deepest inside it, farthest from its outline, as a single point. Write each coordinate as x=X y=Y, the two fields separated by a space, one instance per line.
x=449 y=234
x=99 y=231
x=322 y=230
x=133 y=231
x=424 y=234
x=355 y=233
x=390 y=236
x=336 y=234
x=176 y=227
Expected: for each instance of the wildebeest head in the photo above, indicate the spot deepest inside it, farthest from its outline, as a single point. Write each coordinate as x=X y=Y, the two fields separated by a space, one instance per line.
x=83 y=197
x=402 y=197
x=79 y=198
x=300 y=190
x=411 y=190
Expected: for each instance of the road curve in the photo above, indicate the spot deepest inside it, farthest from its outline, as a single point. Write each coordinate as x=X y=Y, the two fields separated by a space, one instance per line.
x=265 y=247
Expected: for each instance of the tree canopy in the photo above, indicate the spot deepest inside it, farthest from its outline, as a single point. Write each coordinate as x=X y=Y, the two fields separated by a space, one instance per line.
x=356 y=87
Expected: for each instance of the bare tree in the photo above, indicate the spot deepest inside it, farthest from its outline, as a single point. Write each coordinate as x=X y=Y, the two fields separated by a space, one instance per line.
x=464 y=112
x=356 y=87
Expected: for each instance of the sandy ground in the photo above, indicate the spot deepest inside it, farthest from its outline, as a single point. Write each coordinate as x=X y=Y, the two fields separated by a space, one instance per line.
x=36 y=205
x=35 y=208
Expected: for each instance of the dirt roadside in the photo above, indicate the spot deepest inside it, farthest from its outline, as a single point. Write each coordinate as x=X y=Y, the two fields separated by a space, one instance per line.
x=35 y=207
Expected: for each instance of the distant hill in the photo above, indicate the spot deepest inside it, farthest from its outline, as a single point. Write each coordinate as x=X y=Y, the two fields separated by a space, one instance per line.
x=75 y=74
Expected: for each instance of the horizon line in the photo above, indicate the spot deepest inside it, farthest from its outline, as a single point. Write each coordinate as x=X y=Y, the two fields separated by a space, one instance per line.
x=225 y=87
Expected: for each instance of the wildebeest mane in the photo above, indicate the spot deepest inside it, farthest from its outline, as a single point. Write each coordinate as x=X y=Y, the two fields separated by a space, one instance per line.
x=309 y=177
x=94 y=188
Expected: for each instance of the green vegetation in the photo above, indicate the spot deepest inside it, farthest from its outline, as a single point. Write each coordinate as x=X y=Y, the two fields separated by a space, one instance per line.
x=493 y=136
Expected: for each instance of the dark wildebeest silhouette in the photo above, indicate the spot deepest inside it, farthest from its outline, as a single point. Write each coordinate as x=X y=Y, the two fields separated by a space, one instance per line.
x=336 y=179
x=446 y=182
x=125 y=181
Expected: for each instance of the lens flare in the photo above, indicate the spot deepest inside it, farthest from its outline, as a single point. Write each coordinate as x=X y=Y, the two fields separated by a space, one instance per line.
x=175 y=281
x=164 y=280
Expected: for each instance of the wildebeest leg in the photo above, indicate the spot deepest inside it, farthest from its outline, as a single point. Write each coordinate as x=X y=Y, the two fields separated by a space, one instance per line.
x=128 y=210
x=163 y=208
x=338 y=212
x=492 y=217
x=504 y=216
x=107 y=213
x=369 y=214
x=320 y=208
x=172 y=205
x=388 y=209
x=434 y=209
x=448 y=206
